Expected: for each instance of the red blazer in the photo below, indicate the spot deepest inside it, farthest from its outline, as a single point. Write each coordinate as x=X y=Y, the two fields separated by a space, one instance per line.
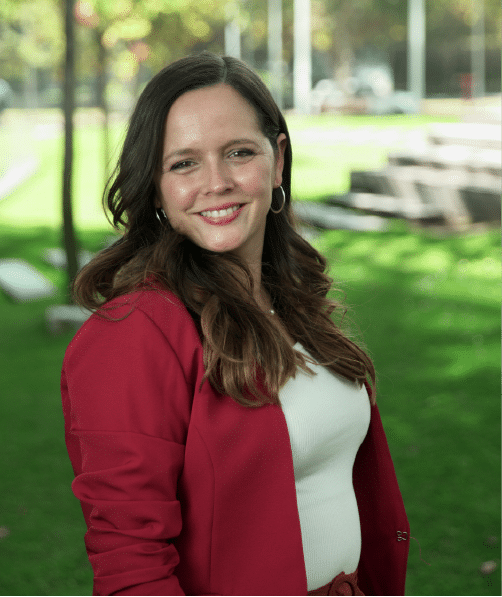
x=187 y=492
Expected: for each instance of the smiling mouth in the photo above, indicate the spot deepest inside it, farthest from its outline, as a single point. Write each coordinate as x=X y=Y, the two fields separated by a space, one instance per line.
x=222 y=212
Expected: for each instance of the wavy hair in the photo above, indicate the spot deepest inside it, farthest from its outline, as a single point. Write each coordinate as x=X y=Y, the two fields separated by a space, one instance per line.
x=239 y=343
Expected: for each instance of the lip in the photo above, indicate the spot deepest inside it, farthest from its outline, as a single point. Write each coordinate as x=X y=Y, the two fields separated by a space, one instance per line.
x=226 y=219
x=224 y=206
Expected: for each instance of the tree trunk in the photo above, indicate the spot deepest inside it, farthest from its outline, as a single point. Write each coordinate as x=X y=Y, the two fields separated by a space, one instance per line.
x=30 y=87
x=344 y=47
x=69 y=237
x=101 y=100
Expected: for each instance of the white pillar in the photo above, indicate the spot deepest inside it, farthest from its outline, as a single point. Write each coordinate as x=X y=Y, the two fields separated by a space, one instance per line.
x=416 y=48
x=302 y=62
x=478 y=48
x=232 y=30
x=275 y=50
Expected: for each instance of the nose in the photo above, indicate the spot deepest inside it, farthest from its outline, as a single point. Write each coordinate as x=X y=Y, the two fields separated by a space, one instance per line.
x=217 y=178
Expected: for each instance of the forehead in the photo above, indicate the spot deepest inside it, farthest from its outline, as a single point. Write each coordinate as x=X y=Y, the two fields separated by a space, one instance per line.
x=209 y=113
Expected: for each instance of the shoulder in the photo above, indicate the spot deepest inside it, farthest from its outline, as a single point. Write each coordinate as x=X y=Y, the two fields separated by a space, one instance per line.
x=135 y=374
x=157 y=303
x=150 y=316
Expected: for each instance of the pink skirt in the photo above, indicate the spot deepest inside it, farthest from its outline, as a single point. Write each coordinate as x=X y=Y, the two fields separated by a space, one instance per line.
x=342 y=584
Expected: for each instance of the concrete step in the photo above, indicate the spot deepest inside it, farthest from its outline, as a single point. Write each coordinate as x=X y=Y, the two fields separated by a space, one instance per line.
x=57 y=258
x=473 y=134
x=17 y=174
x=460 y=197
x=451 y=156
x=59 y=318
x=386 y=206
x=371 y=181
x=439 y=177
x=329 y=217
x=389 y=181
x=24 y=283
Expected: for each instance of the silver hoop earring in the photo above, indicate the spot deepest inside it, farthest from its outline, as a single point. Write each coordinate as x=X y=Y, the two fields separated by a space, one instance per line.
x=157 y=214
x=283 y=202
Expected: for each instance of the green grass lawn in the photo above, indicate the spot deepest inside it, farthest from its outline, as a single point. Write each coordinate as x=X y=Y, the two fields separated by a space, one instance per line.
x=326 y=148
x=429 y=311
x=37 y=201
x=427 y=308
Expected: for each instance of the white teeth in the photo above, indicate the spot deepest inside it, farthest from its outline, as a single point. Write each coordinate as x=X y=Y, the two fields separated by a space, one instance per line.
x=221 y=213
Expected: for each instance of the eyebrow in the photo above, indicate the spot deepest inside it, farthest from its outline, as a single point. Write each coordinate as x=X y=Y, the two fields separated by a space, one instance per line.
x=189 y=150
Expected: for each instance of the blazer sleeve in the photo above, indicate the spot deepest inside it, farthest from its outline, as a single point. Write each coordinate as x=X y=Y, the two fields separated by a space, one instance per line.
x=126 y=405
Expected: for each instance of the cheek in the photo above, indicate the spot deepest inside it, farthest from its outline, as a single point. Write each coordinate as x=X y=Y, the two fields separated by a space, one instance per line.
x=175 y=196
x=258 y=180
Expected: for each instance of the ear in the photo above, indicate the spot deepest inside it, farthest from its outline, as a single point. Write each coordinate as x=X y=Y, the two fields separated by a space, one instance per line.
x=282 y=142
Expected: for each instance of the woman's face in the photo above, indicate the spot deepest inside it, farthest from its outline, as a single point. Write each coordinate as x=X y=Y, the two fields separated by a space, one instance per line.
x=215 y=157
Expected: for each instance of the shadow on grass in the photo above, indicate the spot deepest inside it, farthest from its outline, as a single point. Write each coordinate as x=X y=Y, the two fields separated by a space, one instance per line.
x=428 y=310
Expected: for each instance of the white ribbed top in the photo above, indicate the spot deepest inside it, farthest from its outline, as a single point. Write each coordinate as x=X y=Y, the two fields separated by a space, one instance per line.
x=328 y=418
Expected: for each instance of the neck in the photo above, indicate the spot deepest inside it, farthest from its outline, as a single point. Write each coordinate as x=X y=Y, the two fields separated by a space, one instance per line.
x=262 y=297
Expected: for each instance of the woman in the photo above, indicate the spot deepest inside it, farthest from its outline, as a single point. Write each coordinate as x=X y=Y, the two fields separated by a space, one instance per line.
x=223 y=435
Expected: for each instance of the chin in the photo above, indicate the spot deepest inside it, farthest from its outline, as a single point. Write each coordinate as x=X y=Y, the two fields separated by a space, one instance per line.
x=221 y=248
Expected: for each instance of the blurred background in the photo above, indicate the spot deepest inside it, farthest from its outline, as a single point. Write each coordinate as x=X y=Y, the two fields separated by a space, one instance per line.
x=394 y=110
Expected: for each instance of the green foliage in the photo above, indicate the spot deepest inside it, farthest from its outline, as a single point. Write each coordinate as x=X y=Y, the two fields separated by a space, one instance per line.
x=32 y=33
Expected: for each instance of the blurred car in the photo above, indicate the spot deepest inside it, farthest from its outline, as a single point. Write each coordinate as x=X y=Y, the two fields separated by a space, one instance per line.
x=369 y=91
x=327 y=96
x=372 y=80
x=398 y=102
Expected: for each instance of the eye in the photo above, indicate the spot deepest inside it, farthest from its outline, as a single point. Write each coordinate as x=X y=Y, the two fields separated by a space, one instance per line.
x=181 y=165
x=242 y=153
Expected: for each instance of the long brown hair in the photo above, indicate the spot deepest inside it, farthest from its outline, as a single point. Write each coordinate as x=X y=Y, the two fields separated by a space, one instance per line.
x=216 y=288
